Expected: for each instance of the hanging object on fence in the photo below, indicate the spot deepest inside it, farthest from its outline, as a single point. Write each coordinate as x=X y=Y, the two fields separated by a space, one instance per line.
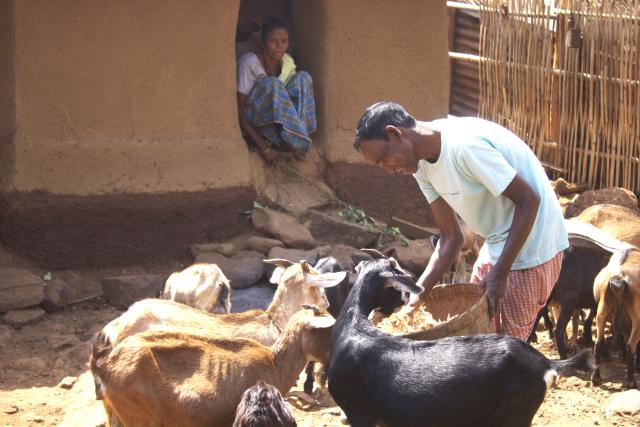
x=574 y=34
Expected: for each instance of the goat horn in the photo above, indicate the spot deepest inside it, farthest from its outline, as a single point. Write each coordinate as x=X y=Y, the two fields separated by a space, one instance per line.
x=376 y=254
x=284 y=263
x=315 y=308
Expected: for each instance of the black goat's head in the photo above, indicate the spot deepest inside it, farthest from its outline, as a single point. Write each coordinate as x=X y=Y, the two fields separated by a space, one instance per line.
x=385 y=285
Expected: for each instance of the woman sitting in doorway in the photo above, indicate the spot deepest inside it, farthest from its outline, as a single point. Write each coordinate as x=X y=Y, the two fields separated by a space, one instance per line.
x=275 y=104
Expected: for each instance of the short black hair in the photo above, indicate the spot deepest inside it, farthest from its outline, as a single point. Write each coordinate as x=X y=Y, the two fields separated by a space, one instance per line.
x=263 y=406
x=378 y=116
x=270 y=24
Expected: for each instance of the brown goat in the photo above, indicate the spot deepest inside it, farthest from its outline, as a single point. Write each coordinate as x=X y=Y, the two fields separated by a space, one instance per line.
x=617 y=292
x=617 y=221
x=298 y=284
x=180 y=378
x=263 y=406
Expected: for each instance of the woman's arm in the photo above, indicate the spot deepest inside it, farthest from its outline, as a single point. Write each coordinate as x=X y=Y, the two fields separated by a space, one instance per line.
x=268 y=154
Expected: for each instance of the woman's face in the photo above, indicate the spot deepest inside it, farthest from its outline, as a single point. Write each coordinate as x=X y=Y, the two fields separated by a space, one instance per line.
x=276 y=44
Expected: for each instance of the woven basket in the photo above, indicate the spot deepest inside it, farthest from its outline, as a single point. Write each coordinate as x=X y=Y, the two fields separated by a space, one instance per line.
x=463 y=299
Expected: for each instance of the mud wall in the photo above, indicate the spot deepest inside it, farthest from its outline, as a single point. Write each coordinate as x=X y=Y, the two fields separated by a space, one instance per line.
x=127 y=146
x=126 y=96
x=361 y=52
x=7 y=92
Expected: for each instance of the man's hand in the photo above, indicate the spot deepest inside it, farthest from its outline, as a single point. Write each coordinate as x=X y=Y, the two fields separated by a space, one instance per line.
x=414 y=302
x=495 y=284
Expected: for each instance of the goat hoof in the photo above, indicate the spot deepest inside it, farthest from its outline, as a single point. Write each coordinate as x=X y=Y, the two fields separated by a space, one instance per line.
x=308 y=390
x=630 y=384
x=596 y=379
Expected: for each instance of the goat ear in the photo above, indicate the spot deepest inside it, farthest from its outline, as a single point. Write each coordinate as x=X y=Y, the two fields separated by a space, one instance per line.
x=284 y=263
x=401 y=282
x=325 y=280
x=276 y=275
x=320 y=322
x=375 y=254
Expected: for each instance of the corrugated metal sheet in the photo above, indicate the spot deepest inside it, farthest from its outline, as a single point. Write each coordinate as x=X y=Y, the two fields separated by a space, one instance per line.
x=464 y=37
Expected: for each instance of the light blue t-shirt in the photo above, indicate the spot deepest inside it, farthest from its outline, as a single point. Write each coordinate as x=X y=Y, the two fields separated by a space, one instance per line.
x=478 y=160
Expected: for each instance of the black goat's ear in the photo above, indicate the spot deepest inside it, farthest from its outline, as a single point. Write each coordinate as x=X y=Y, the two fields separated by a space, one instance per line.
x=401 y=282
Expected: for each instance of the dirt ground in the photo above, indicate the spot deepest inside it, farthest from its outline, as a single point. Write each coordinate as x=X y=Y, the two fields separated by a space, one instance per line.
x=37 y=358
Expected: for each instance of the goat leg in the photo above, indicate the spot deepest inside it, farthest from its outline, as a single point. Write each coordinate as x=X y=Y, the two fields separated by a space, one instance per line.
x=604 y=309
x=308 y=382
x=587 y=338
x=632 y=347
x=559 y=331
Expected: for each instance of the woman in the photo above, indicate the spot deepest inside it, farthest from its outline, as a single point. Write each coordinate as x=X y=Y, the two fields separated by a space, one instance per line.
x=275 y=104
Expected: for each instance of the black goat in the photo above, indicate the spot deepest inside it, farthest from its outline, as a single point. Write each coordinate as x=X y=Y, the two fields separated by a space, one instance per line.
x=481 y=380
x=336 y=296
x=574 y=290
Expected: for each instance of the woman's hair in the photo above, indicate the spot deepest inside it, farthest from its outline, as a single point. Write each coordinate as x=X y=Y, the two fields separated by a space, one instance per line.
x=372 y=123
x=262 y=406
x=270 y=24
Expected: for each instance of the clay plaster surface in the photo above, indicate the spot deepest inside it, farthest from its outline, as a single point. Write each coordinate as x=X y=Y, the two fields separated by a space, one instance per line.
x=366 y=51
x=126 y=96
x=7 y=92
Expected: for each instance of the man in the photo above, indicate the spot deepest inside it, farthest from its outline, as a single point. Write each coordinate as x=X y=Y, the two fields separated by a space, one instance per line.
x=491 y=179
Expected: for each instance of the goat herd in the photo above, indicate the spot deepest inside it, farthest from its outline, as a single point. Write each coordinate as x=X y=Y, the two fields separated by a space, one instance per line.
x=166 y=363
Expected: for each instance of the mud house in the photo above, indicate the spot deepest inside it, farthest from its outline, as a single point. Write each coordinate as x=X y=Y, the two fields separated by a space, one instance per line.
x=119 y=139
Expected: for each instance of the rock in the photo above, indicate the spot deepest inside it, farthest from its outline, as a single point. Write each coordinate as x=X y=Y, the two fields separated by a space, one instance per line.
x=61 y=342
x=29 y=363
x=612 y=196
x=258 y=296
x=19 y=289
x=56 y=296
x=11 y=409
x=79 y=353
x=81 y=286
x=226 y=249
x=5 y=335
x=333 y=231
x=626 y=403
x=561 y=186
x=67 y=382
x=122 y=291
x=295 y=255
x=243 y=269
x=20 y=318
x=262 y=244
x=298 y=197
x=283 y=227
x=413 y=257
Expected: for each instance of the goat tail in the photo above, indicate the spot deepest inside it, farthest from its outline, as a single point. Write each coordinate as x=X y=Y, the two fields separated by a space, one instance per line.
x=581 y=362
x=100 y=349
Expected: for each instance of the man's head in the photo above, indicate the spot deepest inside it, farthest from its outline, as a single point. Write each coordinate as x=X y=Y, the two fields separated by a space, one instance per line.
x=383 y=139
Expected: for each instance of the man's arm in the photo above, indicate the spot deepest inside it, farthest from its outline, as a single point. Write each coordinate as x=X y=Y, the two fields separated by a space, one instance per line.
x=449 y=245
x=526 y=202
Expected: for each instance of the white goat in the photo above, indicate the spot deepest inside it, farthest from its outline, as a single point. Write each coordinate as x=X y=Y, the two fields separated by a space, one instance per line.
x=201 y=286
x=188 y=379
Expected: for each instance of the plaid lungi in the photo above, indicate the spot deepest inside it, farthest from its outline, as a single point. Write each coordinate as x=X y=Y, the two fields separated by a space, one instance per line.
x=284 y=115
x=527 y=292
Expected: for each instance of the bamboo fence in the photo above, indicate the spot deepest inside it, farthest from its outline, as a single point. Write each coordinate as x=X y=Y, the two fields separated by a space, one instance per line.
x=577 y=107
